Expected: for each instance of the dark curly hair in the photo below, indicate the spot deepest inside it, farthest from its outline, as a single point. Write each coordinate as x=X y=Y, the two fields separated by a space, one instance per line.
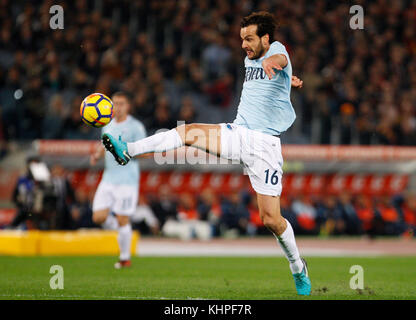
x=265 y=22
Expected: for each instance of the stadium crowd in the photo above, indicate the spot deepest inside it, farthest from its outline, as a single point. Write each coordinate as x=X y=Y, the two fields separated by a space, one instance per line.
x=56 y=205
x=238 y=214
x=182 y=60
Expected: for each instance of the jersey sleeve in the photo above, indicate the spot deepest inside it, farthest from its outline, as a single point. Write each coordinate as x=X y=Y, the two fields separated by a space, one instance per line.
x=277 y=48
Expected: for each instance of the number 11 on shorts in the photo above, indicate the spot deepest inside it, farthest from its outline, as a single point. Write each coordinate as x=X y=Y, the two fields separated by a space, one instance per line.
x=274 y=179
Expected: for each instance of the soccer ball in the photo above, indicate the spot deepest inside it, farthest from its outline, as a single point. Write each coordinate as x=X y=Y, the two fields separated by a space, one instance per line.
x=97 y=110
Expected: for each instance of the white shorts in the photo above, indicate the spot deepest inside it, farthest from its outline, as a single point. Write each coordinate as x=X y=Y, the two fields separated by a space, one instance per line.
x=120 y=199
x=260 y=153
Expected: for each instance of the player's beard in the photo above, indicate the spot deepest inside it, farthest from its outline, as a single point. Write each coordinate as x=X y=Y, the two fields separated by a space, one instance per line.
x=259 y=51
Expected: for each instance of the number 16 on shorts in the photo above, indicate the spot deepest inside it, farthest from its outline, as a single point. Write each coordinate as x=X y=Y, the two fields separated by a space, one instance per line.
x=274 y=179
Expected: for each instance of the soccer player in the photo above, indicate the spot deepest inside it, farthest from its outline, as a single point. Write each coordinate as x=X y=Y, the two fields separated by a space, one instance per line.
x=264 y=113
x=116 y=197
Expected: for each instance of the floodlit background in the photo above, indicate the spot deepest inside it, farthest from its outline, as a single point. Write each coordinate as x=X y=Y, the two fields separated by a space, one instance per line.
x=349 y=157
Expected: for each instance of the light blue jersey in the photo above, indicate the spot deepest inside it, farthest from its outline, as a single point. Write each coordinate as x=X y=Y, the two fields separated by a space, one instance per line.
x=265 y=104
x=130 y=130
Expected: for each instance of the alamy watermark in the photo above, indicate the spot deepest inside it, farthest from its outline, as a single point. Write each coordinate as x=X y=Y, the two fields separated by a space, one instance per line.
x=357 y=280
x=57 y=280
x=57 y=19
x=357 y=20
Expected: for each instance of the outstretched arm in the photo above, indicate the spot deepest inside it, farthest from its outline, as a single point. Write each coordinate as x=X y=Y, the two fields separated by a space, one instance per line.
x=277 y=62
x=273 y=63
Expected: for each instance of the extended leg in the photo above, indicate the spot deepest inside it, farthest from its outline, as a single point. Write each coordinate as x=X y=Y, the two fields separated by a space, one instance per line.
x=202 y=136
x=199 y=135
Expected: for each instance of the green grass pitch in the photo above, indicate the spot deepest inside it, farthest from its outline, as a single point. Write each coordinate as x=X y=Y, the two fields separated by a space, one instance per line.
x=152 y=278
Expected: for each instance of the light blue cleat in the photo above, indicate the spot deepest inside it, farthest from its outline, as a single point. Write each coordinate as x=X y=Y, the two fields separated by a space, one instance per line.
x=118 y=148
x=302 y=281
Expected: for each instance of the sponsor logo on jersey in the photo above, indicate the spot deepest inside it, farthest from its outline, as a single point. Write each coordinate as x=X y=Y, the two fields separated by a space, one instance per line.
x=254 y=74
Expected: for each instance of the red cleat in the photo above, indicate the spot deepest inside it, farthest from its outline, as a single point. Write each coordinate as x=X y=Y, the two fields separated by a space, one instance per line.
x=122 y=264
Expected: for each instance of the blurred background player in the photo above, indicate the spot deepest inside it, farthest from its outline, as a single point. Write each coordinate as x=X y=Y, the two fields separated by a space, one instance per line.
x=116 y=197
x=264 y=113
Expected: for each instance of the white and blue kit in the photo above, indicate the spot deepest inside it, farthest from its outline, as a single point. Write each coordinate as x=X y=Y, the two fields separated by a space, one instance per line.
x=119 y=186
x=265 y=104
x=264 y=112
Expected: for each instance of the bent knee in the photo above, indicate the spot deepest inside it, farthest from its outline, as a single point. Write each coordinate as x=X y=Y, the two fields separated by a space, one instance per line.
x=275 y=223
x=269 y=222
x=98 y=217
